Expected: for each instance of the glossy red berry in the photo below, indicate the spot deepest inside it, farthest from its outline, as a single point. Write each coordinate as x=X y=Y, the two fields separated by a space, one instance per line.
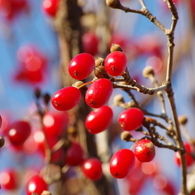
x=90 y=43
x=36 y=184
x=92 y=169
x=99 y=119
x=54 y=123
x=115 y=63
x=144 y=150
x=122 y=163
x=189 y=159
x=18 y=132
x=81 y=66
x=9 y=179
x=74 y=155
x=50 y=7
x=66 y=98
x=131 y=119
x=99 y=93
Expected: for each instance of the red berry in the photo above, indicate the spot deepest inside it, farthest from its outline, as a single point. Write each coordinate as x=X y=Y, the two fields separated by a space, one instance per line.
x=122 y=163
x=66 y=98
x=18 y=132
x=120 y=39
x=74 y=155
x=115 y=63
x=131 y=119
x=52 y=141
x=81 y=66
x=36 y=184
x=144 y=150
x=32 y=64
x=0 y=121
x=163 y=185
x=31 y=58
x=99 y=93
x=193 y=193
x=189 y=159
x=9 y=179
x=92 y=168
x=50 y=7
x=135 y=180
x=11 y=8
x=90 y=43
x=99 y=119
x=54 y=123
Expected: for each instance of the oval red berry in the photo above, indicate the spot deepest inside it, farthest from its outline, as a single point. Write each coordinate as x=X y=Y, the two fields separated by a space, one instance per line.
x=131 y=119
x=66 y=98
x=92 y=169
x=99 y=119
x=36 y=184
x=115 y=63
x=81 y=66
x=122 y=163
x=144 y=150
x=99 y=93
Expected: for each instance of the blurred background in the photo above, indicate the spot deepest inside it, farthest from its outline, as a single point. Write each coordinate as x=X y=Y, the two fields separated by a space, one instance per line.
x=33 y=56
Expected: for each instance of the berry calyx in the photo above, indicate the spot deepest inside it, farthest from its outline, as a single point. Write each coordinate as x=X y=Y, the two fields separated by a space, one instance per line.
x=144 y=150
x=36 y=185
x=122 y=163
x=81 y=66
x=131 y=119
x=99 y=119
x=115 y=63
x=99 y=93
x=66 y=98
x=92 y=169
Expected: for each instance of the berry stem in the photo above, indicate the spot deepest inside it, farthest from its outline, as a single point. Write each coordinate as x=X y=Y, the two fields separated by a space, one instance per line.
x=84 y=84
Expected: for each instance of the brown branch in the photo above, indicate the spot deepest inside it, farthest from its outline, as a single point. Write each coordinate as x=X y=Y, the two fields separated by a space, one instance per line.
x=141 y=88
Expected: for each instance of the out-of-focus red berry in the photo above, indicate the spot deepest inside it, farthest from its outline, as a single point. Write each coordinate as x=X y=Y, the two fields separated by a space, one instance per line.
x=54 y=123
x=33 y=65
x=189 y=159
x=163 y=185
x=9 y=179
x=92 y=169
x=50 y=7
x=74 y=155
x=18 y=132
x=36 y=184
x=90 y=43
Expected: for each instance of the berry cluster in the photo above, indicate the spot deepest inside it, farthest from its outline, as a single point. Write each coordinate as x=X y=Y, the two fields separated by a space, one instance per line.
x=106 y=72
